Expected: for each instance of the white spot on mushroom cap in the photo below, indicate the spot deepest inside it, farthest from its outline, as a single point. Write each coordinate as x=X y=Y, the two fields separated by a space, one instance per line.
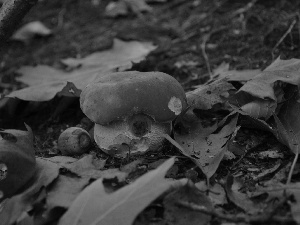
x=175 y=105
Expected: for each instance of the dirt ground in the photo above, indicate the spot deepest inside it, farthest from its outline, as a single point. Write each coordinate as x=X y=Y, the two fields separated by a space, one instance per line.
x=193 y=38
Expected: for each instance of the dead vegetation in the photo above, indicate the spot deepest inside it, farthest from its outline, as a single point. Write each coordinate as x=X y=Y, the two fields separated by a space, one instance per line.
x=236 y=144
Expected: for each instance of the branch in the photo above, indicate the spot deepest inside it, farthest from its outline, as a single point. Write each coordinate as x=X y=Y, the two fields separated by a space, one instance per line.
x=11 y=14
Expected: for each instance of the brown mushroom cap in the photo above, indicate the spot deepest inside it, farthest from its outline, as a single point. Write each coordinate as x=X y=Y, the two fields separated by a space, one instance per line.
x=119 y=95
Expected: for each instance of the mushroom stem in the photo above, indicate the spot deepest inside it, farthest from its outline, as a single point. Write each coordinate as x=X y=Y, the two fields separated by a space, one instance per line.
x=139 y=134
x=140 y=124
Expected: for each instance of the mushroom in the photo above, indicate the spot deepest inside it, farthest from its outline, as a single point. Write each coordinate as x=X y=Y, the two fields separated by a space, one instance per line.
x=132 y=109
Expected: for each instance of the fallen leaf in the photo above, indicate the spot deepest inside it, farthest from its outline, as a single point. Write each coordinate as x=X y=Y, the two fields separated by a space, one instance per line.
x=294 y=189
x=62 y=160
x=26 y=220
x=288 y=124
x=209 y=95
x=45 y=81
x=17 y=160
x=131 y=167
x=124 y=7
x=286 y=65
x=267 y=172
x=271 y=84
x=260 y=96
x=85 y=167
x=222 y=71
x=178 y=215
x=138 y=6
x=273 y=153
x=260 y=108
x=12 y=208
x=206 y=146
x=295 y=209
x=278 y=191
x=216 y=192
x=30 y=30
x=95 y=206
x=64 y=191
x=240 y=199
x=115 y=9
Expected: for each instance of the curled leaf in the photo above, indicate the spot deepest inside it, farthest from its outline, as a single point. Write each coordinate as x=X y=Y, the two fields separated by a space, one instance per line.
x=17 y=160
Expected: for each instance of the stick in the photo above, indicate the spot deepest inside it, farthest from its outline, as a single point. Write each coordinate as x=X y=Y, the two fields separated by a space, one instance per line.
x=284 y=36
x=11 y=13
x=259 y=219
x=244 y=9
x=203 y=51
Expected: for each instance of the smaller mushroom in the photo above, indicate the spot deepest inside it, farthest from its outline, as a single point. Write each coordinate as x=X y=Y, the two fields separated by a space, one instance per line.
x=74 y=141
x=132 y=110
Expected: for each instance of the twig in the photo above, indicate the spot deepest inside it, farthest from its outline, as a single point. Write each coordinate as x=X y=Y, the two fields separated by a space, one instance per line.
x=298 y=16
x=284 y=36
x=60 y=20
x=244 y=9
x=11 y=13
x=260 y=219
x=293 y=166
x=203 y=51
x=205 y=38
x=250 y=150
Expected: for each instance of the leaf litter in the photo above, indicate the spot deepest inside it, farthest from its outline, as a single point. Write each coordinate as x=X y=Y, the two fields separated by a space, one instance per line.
x=266 y=99
x=45 y=82
x=108 y=209
x=205 y=144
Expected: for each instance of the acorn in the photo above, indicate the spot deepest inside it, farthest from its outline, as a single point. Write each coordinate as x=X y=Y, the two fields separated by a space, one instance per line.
x=74 y=141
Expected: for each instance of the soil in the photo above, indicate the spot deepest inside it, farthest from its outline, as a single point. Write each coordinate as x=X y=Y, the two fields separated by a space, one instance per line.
x=193 y=38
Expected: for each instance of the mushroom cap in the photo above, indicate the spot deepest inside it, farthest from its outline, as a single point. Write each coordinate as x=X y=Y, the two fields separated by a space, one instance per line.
x=117 y=96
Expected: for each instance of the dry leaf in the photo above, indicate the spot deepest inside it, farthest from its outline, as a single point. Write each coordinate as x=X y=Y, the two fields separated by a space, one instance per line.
x=86 y=168
x=275 y=92
x=222 y=71
x=178 y=215
x=240 y=199
x=123 y=7
x=216 y=192
x=265 y=85
x=17 y=160
x=259 y=108
x=115 y=9
x=30 y=30
x=14 y=207
x=138 y=6
x=45 y=81
x=95 y=206
x=205 y=146
x=65 y=190
x=288 y=124
x=206 y=96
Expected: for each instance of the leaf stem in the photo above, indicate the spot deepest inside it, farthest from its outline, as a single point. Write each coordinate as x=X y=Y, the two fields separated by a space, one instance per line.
x=293 y=167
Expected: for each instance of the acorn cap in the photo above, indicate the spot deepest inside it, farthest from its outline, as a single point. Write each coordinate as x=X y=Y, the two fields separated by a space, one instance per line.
x=117 y=96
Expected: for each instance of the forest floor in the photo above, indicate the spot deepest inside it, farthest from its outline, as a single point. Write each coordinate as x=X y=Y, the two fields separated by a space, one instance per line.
x=193 y=38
